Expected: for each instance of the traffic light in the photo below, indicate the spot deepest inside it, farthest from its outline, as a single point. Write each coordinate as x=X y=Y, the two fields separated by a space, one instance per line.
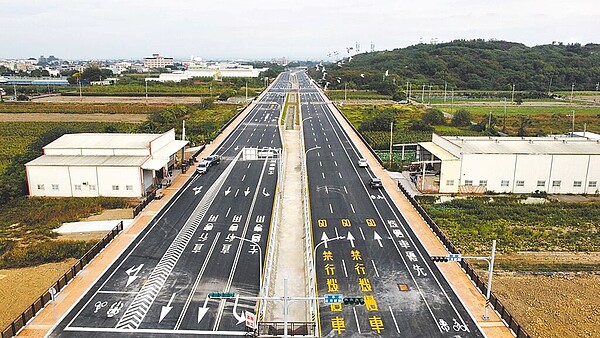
x=354 y=300
x=439 y=258
x=221 y=295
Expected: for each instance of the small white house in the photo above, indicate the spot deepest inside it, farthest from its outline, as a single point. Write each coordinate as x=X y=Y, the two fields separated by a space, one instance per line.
x=87 y=165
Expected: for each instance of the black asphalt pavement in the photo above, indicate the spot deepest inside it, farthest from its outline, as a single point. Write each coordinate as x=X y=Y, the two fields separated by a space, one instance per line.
x=369 y=251
x=159 y=285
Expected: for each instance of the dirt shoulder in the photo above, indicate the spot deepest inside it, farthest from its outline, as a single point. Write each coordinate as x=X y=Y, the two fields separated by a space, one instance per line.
x=19 y=288
x=557 y=306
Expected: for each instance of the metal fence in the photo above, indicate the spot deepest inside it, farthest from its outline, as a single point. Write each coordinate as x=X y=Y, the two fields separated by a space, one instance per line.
x=13 y=328
x=506 y=316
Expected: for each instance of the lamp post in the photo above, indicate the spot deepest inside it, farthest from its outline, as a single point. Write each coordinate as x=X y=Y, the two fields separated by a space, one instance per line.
x=259 y=263
x=146 y=81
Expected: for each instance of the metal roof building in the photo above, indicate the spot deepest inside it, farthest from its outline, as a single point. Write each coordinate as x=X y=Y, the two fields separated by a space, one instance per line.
x=123 y=165
x=557 y=165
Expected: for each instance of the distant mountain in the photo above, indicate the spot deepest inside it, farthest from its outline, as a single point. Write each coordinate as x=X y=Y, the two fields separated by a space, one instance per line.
x=474 y=64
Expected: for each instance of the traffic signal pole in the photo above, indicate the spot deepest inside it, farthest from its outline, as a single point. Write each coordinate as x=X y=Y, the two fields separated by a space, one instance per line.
x=489 y=259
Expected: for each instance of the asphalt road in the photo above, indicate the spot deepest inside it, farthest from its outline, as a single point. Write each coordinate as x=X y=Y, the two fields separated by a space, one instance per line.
x=379 y=259
x=158 y=287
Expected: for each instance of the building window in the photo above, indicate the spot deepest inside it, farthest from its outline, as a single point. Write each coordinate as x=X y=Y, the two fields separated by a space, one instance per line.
x=55 y=187
x=77 y=186
x=504 y=183
x=449 y=182
x=92 y=187
x=129 y=187
x=520 y=183
x=541 y=183
x=576 y=184
x=592 y=184
x=556 y=184
x=115 y=187
x=483 y=182
x=468 y=182
x=40 y=187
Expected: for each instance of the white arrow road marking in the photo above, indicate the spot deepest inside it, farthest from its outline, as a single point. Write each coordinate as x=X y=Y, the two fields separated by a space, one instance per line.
x=377 y=238
x=265 y=193
x=351 y=239
x=325 y=239
x=197 y=190
x=227 y=191
x=165 y=309
x=241 y=317
x=133 y=270
x=247 y=191
x=203 y=310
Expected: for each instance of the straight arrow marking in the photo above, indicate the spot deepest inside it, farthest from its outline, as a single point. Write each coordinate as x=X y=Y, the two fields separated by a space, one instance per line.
x=377 y=238
x=351 y=239
x=166 y=309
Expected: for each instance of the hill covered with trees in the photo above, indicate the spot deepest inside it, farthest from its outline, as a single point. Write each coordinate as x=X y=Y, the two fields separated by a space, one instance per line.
x=470 y=64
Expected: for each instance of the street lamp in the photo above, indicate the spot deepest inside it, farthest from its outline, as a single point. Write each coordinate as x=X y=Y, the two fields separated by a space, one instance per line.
x=259 y=263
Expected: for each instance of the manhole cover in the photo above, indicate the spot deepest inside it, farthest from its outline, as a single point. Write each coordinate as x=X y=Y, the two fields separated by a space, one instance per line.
x=403 y=287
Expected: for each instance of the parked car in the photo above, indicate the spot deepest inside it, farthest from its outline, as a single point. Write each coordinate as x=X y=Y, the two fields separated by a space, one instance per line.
x=202 y=167
x=362 y=163
x=375 y=183
x=213 y=159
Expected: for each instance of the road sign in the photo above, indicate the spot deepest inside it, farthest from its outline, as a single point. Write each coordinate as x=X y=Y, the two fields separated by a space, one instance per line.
x=333 y=298
x=454 y=257
x=250 y=320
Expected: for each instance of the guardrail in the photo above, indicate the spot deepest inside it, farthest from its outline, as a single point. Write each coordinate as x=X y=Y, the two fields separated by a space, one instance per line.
x=19 y=323
x=506 y=316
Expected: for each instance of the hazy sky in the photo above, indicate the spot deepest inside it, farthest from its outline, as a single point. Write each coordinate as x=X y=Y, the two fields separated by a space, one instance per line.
x=261 y=29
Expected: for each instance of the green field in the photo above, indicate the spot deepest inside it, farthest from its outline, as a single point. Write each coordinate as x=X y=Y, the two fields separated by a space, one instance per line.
x=356 y=95
x=82 y=108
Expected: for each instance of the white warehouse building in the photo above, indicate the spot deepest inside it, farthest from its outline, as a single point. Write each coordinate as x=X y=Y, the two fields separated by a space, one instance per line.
x=556 y=165
x=88 y=165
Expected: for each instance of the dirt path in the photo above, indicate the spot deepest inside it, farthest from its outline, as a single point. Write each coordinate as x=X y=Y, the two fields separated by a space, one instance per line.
x=57 y=117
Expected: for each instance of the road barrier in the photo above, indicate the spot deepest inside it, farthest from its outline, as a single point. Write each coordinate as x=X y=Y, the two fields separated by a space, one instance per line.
x=19 y=323
x=502 y=311
x=138 y=208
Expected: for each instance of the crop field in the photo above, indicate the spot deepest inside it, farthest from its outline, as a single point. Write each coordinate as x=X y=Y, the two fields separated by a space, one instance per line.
x=81 y=108
x=356 y=95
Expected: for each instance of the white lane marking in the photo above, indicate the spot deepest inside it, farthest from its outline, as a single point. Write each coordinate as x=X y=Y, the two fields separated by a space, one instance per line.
x=330 y=208
x=340 y=174
x=228 y=210
x=344 y=266
x=243 y=178
x=374 y=267
x=326 y=139
x=119 y=292
x=315 y=139
x=356 y=319
x=346 y=190
x=329 y=145
x=248 y=165
x=237 y=192
x=248 y=141
x=394 y=318
x=362 y=234
x=323 y=174
x=326 y=190
x=336 y=232
x=353 y=211
x=260 y=140
x=335 y=162
x=320 y=164
x=332 y=154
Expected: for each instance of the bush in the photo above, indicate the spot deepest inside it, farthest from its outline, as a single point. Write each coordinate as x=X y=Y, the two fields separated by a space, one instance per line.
x=45 y=252
x=419 y=125
x=462 y=118
x=434 y=117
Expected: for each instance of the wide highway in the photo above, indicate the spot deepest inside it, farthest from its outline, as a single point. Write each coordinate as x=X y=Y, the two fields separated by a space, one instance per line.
x=363 y=246
x=159 y=284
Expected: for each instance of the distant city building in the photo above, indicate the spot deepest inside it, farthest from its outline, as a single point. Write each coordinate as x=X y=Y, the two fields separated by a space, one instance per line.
x=283 y=61
x=205 y=69
x=157 y=61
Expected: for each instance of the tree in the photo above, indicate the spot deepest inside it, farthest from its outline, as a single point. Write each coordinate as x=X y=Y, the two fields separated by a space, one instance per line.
x=462 y=118
x=419 y=125
x=434 y=117
x=379 y=122
x=524 y=122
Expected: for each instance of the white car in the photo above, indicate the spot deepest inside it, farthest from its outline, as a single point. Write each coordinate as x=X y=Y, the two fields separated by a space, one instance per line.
x=362 y=163
x=202 y=167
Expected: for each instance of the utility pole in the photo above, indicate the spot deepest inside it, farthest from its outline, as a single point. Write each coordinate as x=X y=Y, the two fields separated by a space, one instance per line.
x=391 y=138
x=246 y=90
x=452 y=102
x=15 y=91
x=423 y=95
x=407 y=95
x=430 y=94
x=512 y=98
x=345 y=93
x=445 y=91
x=572 y=116
x=572 y=88
x=504 y=123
